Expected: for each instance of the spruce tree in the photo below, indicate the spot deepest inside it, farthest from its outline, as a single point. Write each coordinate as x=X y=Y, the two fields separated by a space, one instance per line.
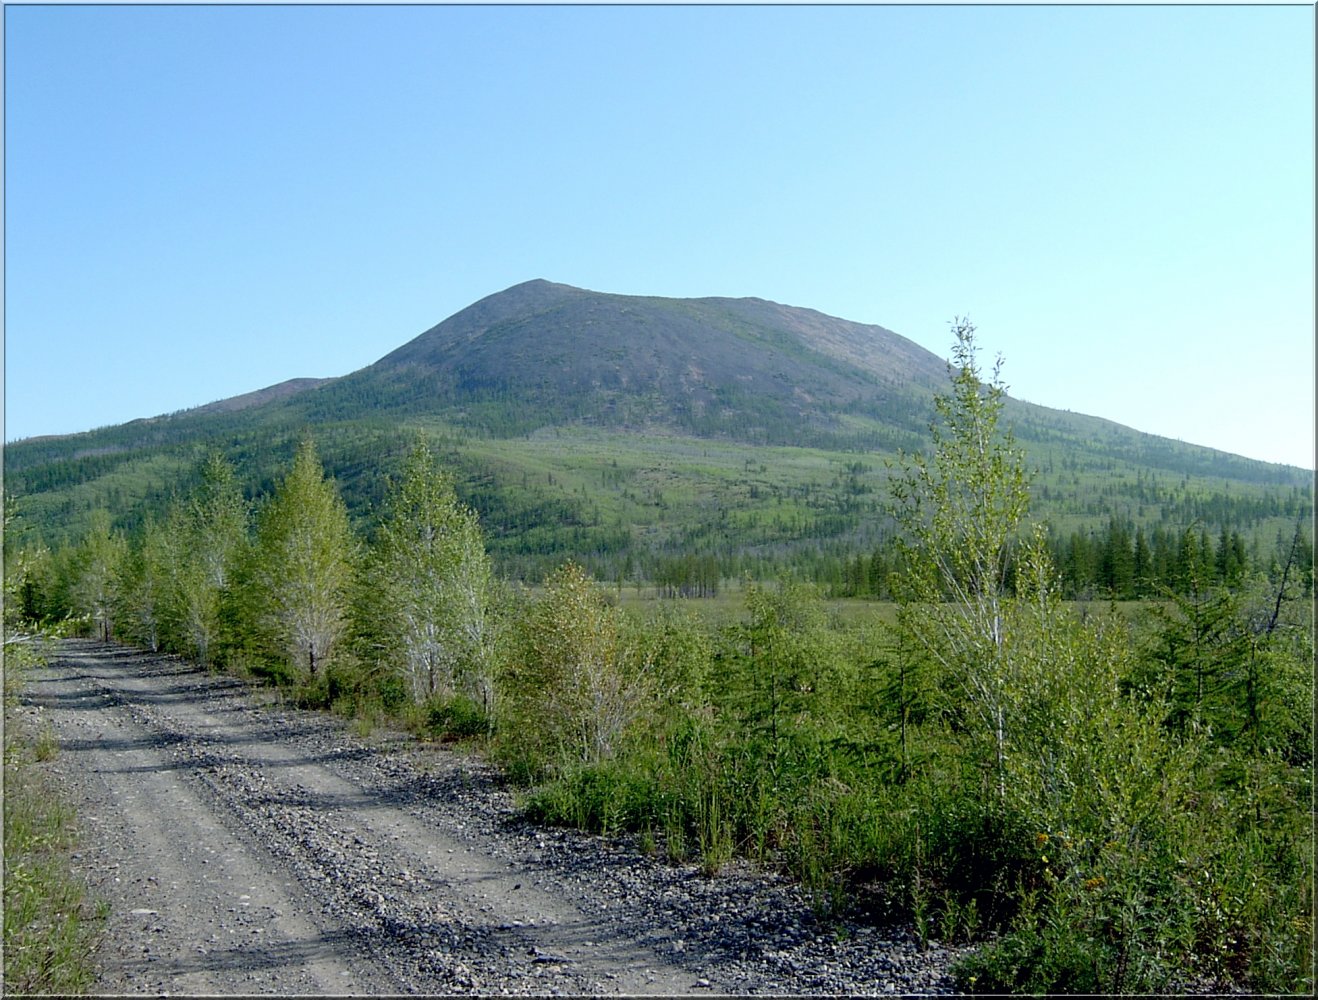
x=1143 y=565
x=145 y=583
x=95 y=591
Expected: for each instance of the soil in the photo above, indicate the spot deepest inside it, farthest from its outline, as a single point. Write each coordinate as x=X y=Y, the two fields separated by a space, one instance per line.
x=246 y=847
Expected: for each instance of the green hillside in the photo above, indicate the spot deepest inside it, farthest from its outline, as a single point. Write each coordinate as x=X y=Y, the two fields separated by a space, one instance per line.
x=634 y=432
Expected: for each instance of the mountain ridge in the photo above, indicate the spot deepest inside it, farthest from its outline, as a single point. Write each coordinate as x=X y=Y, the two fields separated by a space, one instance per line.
x=812 y=375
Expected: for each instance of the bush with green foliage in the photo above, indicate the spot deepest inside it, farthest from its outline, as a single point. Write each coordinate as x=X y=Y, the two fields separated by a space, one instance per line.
x=574 y=688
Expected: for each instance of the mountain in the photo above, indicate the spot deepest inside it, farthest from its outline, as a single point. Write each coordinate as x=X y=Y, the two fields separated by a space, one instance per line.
x=613 y=427
x=684 y=345
x=541 y=354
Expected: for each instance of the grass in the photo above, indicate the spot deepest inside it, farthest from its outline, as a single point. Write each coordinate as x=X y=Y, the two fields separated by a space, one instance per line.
x=50 y=926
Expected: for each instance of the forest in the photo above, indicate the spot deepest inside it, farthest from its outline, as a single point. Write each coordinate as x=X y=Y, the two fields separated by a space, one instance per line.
x=1106 y=800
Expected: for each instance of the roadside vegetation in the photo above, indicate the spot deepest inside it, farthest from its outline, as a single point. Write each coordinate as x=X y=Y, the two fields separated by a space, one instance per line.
x=1107 y=802
x=50 y=926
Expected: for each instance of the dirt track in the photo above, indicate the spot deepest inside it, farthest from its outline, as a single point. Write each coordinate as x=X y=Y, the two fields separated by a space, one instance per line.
x=248 y=848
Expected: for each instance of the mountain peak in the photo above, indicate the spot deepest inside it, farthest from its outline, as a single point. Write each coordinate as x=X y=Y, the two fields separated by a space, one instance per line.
x=723 y=366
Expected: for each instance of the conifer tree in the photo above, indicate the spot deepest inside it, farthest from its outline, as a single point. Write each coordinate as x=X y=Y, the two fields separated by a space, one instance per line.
x=205 y=535
x=303 y=564
x=145 y=584
x=1143 y=566
x=785 y=634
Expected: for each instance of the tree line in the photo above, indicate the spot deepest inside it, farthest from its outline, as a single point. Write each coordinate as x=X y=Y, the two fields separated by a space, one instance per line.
x=284 y=586
x=1118 y=561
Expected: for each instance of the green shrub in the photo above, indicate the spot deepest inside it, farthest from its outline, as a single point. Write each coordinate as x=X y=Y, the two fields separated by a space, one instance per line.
x=392 y=691
x=455 y=718
x=1032 y=959
x=607 y=797
x=270 y=670
x=341 y=685
x=574 y=687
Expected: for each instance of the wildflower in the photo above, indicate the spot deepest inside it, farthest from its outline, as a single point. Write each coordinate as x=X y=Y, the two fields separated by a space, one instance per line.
x=1094 y=883
x=1041 y=839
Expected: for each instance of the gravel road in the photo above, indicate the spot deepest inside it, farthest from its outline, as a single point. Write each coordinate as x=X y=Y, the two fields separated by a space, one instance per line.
x=248 y=848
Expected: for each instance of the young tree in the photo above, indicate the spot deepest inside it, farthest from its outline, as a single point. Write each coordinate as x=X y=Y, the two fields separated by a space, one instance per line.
x=303 y=563
x=27 y=577
x=204 y=538
x=579 y=685
x=788 y=645
x=433 y=573
x=94 y=591
x=960 y=510
x=145 y=586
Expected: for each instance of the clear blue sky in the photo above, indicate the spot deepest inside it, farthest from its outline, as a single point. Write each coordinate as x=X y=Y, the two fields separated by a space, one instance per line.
x=205 y=200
